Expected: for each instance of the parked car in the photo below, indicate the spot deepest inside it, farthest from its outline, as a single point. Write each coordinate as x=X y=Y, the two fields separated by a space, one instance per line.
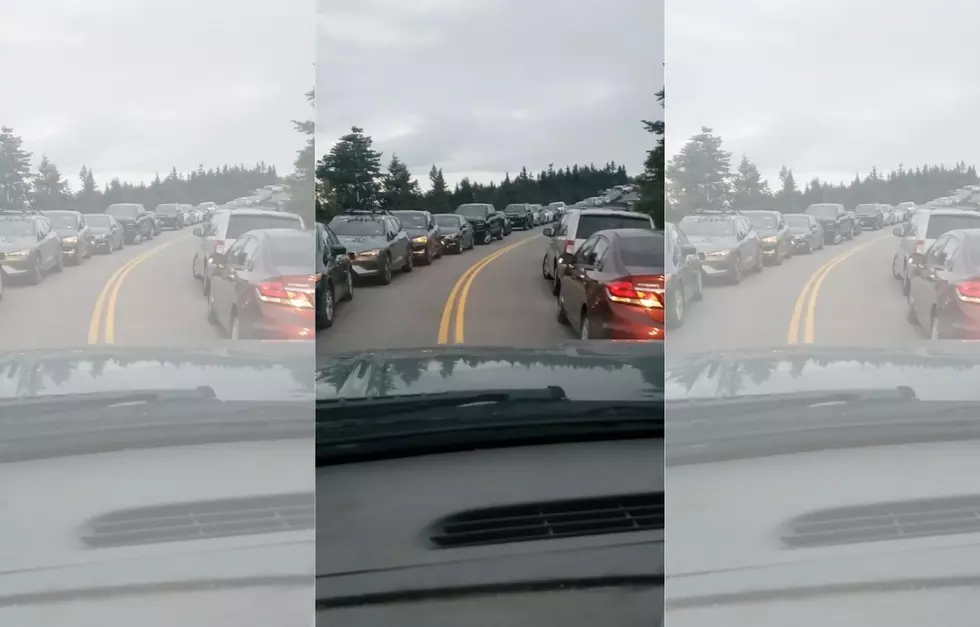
x=77 y=242
x=137 y=223
x=334 y=276
x=837 y=224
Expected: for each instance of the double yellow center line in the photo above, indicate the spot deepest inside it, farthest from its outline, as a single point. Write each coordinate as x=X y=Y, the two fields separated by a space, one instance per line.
x=804 y=312
x=105 y=305
x=462 y=289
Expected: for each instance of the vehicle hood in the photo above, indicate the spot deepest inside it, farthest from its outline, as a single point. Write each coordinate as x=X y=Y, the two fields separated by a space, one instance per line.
x=245 y=371
x=475 y=219
x=12 y=243
x=799 y=230
x=360 y=243
x=935 y=370
x=733 y=521
x=707 y=244
x=603 y=370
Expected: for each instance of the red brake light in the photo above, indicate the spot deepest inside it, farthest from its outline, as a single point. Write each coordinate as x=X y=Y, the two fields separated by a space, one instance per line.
x=292 y=291
x=643 y=291
x=569 y=246
x=969 y=291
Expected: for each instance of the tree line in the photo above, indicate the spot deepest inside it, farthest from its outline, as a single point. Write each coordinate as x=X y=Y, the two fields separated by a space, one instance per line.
x=46 y=187
x=701 y=176
x=352 y=176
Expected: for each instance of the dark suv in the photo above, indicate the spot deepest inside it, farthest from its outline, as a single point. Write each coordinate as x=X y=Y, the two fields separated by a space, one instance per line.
x=170 y=216
x=136 y=222
x=375 y=242
x=520 y=215
x=487 y=223
x=837 y=223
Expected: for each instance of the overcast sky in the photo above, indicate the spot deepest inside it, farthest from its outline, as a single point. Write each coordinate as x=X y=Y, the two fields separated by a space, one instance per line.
x=482 y=87
x=827 y=88
x=134 y=87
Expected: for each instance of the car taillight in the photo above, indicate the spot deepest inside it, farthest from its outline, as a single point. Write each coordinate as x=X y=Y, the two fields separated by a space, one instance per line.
x=569 y=246
x=643 y=291
x=292 y=291
x=969 y=291
x=919 y=246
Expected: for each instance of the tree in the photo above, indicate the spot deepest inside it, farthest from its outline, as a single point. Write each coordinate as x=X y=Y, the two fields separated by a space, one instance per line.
x=300 y=184
x=438 y=196
x=15 y=171
x=399 y=189
x=50 y=190
x=651 y=181
x=788 y=196
x=88 y=199
x=699 y=175
x=749 y=189
x=352 y=169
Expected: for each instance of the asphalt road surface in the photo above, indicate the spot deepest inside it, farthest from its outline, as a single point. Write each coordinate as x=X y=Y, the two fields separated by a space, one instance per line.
x=142 y=295
x=492 y=295
x=842 y=295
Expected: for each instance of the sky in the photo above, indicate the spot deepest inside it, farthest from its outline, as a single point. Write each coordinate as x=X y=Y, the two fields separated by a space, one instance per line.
x=134 y=87
x=484 y=87
x=827 y=88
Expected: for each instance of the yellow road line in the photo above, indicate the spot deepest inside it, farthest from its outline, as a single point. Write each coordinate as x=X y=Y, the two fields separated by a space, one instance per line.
x=807 y=299
x=462 y=287
x=108 y=297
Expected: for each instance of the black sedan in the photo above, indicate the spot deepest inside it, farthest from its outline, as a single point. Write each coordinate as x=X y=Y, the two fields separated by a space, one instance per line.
x=456 y=233
x=422 y=230
x=334 y=276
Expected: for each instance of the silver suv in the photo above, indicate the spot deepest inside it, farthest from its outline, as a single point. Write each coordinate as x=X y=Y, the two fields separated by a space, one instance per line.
x=578 y=225
x=918 y=234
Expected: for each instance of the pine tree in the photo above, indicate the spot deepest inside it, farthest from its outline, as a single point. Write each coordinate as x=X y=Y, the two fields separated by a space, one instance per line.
x=300 y=185
x=352 y=168
x=749 y=189
x=399 y=189
x=652 y=181
x=699 y=175
x=788 y=196
x=15 y=171
x=438 y=196
x=49 y=189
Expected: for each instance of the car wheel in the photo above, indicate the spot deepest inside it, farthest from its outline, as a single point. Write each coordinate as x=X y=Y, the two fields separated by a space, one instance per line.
x=327 y=304
x=234 y=327
x=895 y=273
x=37 y=275
x=675 y=312
x=409 y=262
x=934 y=331
x=809 y=246
x=544 y=267
x=699 y=287
x=585 y=330
x=137 y=238
x=555 y=280
x=194 y=267
x=349 y=293
x=735 y=272
x=560 y=313
x=837 y=238
x=59 y=263
x=488 y=237
x=910 y=309
x=386 y=271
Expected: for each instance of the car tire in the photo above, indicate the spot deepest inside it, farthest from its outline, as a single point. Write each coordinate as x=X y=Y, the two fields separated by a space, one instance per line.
x=935 y=332
x=910 y=309
x=59 y=265
x=561 y=316
x=385 y=276
x=837 y=238
x=544 y=268
x=735 y=272
x=409 y=262
x=487 y=237
x=349 y=293
x=699 y=292
x=676 y=306
x=37 y=274
x=194 y=267
x=327 y=306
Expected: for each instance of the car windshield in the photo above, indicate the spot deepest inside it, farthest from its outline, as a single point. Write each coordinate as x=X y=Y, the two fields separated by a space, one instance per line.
x=169 y=209
x=866 y=209
x=515 y=209
x=239 y=224
x=448 y=221
x=588 y=224
x=796 y=220
x=354 y=227
x=290 y=251
x=62 y=220
x=16 y=227
x=642 y=252
x=942 y=223
x=123 y=211
x=708 y=227
x=762 y=220
x=412 y=219
x=98 y=220
x=823 y=211
x=474 y=211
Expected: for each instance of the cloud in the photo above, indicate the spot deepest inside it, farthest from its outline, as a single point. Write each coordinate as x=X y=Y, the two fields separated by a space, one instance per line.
x=484 y=87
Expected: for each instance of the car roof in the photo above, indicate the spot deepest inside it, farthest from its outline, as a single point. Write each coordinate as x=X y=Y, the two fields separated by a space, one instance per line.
x=602 y=211
x=252 y=211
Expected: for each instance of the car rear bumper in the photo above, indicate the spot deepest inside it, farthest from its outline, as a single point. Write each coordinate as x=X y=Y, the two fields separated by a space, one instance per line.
x=625 y=322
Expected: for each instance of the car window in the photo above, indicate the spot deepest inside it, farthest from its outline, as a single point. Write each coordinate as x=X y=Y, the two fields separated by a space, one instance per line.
x=251 y=248
x=939 y=224
x=949 y=251
x=593 y=223
x=642 y=252
x=585 y=249
x=235 y=251
x=934 y=250
x=600 y=250
x=239 y=224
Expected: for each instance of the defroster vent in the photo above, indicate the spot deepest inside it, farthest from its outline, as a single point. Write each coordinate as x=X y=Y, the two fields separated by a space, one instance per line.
x=886 y=521
x=200 y=520
x=551 y=520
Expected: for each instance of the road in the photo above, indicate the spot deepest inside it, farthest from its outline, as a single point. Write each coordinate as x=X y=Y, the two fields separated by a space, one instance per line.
x=142 y=295
x=493 y=295
x=841 y=295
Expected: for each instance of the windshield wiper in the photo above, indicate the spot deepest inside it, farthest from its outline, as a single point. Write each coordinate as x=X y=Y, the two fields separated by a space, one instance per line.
x=809 y=398
x=59 y=402
x=339 y=408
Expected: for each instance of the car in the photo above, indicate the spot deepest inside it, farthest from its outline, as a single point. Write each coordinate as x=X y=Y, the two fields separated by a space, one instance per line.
x=376 y=243
x=944 y=286
x=871 y=215
x=29 y=246
x=578 y=225
x=520 y=215
x=777 y=241
x=76 y=238
x=225 y=227
x=170 y=216
x=263 y=286
x=919 y=234
x=806 y=231
x=487 y=223
x=136 y=222
x=836 y=222
x=421 y=227
x=726 y=242
x=613 y=286
x=107 y=234
x=685 y=279
x=334 y=276
x=456 y=232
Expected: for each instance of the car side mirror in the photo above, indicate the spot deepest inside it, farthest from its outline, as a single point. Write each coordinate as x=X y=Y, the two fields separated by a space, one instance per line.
x=687 y=251
x=899 y=231
x=199 y=231
x=548 y=231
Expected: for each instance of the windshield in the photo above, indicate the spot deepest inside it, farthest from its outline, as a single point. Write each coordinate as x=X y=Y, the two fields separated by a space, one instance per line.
x=708 y=227
x=796 y=220
x=239 y=224
x=16 y=228
x=412 y=220
x=97 y=220
x=515 y=209
x=762 y=220
x=642 y=252
x=447 y=221
x=62 y=220
x=123 y=211
x=823 y=211
x=475 y=211
x=941 y=223
x=345 y=227
x=290 y=251
x=171 y=209
x=866 y=209
x=588 y=224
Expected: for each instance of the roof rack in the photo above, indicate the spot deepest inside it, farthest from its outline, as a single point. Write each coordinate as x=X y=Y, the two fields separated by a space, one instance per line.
x=377 y=211
x=24 y=211
x=727 y=211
